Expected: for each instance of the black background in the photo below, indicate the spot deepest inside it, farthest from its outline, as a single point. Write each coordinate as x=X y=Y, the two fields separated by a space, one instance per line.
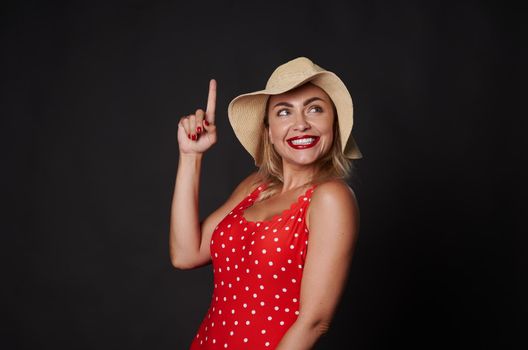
x=91 y=97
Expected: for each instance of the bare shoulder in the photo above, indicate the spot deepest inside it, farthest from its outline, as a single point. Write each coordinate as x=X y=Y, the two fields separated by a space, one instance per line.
x=247 y=185
x=334 y=198
x=333 y=192
x=241 y=190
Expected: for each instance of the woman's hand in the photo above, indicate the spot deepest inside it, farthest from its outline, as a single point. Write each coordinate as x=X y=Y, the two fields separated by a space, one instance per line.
x=197 y=132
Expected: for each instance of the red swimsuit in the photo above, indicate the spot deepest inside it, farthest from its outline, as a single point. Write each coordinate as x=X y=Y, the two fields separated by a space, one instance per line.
x=257 y=269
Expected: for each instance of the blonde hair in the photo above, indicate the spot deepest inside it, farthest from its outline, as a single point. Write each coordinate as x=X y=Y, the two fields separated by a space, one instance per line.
x=333 y=165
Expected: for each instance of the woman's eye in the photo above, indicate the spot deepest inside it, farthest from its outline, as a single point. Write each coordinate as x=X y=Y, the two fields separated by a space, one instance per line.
x=282 y=112
x=316 y=109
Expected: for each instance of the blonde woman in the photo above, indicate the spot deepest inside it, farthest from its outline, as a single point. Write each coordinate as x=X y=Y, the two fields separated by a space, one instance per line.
x=282 y=243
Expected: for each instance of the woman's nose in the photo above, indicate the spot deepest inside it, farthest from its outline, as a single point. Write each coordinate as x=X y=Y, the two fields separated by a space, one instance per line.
x=300 y=122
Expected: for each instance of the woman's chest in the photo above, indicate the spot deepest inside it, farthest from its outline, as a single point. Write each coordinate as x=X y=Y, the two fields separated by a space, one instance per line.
x=237 y=241
x=269 y=209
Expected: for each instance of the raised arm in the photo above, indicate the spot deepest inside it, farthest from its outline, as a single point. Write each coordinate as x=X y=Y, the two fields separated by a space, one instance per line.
x=196 y=134
x=189 y=239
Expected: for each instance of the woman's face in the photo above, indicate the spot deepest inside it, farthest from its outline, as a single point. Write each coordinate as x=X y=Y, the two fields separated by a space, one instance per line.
x=301 y=124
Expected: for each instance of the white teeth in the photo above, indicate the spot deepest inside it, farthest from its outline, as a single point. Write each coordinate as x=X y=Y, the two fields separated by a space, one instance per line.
x=305 y=141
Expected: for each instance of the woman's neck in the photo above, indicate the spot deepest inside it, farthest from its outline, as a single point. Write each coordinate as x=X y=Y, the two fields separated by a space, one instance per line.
x=295 y=177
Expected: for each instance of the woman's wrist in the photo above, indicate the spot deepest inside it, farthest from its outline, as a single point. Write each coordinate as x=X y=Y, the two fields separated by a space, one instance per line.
x=191 y=156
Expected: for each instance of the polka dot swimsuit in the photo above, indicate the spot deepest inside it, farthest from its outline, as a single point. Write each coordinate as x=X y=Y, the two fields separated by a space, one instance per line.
x=257 y=269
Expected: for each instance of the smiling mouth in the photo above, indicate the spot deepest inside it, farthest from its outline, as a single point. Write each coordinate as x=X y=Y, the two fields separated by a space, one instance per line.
x=304 y=142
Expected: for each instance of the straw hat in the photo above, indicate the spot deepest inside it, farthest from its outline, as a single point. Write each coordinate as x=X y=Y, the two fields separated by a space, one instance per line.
x=246 y=112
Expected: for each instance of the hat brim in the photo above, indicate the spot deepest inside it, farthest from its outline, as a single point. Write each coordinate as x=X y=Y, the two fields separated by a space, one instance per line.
x=246 y=112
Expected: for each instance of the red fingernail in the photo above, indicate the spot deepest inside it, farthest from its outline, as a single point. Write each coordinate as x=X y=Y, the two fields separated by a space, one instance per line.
x=199 y=129
x=206 y=123
x=189 y=135
x=193 y=137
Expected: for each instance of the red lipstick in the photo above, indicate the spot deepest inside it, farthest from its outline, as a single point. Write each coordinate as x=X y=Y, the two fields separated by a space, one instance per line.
x=310 y=141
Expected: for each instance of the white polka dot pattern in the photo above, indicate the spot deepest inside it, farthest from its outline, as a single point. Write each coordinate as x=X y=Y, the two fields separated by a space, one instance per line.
x=257 y=269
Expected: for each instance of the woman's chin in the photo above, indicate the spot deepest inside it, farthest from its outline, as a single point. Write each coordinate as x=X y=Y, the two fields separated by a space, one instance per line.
x=308 y=158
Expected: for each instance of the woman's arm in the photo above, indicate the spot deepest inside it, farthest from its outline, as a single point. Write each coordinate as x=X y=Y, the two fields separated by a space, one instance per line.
x=190 y=240
x=333 y=223
x=185 y=232
x=196 y=134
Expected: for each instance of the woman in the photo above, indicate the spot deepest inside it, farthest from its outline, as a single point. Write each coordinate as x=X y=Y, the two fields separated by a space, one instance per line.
x=282 y=244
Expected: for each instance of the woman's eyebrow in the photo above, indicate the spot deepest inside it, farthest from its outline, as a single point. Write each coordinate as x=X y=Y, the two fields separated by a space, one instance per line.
x=310 y=100
x=283 y=104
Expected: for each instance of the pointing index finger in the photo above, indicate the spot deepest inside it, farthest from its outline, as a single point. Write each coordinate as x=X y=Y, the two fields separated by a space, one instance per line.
x=211 y=102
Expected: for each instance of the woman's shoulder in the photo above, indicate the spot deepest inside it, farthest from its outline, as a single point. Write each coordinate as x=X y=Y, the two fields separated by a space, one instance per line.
x=250 y=183
x=244 y=188
x=332 y=197
x=332 y=188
